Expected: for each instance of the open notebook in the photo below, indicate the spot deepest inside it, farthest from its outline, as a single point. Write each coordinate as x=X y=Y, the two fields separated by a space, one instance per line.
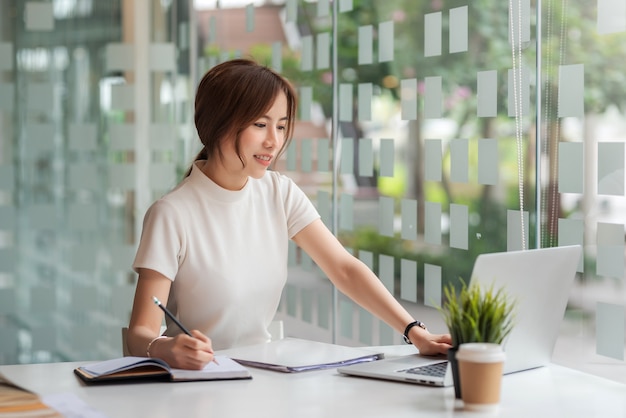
x=539 y=280
x=129 y=368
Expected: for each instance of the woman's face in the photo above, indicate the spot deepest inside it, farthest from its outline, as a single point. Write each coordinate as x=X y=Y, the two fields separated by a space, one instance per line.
x=259 y=144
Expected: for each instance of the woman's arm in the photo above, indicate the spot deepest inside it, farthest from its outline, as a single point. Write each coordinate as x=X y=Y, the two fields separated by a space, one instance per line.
x=353 y=278
x=182 y=351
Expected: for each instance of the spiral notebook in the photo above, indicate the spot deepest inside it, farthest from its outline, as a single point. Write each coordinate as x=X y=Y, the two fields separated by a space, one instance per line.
x=292 y=355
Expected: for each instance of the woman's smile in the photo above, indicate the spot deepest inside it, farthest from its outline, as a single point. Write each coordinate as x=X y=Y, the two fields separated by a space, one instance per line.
x=263 y=159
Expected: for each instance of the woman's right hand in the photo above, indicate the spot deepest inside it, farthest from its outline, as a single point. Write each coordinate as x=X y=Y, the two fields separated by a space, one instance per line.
x=183 y=351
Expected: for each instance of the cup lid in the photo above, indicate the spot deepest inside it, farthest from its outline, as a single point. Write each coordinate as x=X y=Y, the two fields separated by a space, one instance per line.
x=480 y=352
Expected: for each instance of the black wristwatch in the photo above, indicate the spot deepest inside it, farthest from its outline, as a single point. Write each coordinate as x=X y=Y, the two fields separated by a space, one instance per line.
x=408 y=328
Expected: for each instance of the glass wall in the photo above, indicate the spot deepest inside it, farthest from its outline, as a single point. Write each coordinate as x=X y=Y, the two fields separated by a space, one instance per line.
x=428 y=133
x=94 y=115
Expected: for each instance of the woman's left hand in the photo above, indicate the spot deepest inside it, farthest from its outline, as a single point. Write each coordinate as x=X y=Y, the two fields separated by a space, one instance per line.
x=430 y=344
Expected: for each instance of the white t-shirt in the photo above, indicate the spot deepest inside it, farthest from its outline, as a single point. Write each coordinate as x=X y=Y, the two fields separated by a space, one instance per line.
x=225 y=252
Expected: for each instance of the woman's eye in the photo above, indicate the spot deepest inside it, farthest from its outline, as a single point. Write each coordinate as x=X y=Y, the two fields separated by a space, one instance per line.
x=282 y=128
x=259 y=125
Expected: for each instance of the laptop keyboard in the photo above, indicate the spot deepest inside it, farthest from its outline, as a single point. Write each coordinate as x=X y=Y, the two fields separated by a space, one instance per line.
x=435 y=369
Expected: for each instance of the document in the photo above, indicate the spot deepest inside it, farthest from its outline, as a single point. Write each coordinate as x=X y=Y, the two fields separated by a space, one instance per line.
x=125 y=368
x=292 y=355
x=70 y=405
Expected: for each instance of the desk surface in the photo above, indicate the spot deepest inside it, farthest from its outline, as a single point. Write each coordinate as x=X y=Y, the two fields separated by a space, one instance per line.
x=553 y=391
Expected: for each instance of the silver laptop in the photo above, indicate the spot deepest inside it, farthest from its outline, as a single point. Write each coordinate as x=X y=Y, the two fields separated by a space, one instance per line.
x=540 y=280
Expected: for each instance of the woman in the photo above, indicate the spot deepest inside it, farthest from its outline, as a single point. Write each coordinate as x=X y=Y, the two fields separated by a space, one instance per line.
x=215 y=248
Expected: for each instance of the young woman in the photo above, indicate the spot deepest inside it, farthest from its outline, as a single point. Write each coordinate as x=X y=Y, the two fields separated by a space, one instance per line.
x=214 y=249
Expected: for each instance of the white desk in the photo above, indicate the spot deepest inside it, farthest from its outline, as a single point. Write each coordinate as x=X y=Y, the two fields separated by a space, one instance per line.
x=553 y=391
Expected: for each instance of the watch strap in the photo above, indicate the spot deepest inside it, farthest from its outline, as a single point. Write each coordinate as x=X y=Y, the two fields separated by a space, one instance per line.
x=408 y=328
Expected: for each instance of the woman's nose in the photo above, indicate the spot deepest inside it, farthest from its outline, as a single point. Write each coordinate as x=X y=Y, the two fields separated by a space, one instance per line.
x=272 y=138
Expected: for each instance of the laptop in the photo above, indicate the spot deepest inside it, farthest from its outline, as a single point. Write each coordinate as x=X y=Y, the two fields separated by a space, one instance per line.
x=540 y=280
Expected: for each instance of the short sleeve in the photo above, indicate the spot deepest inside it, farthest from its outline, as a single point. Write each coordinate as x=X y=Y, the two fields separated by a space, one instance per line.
x=298 y=207
x=161 y=246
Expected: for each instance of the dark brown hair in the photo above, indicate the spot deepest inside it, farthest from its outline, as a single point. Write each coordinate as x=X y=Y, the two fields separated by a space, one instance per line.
x=232 y=96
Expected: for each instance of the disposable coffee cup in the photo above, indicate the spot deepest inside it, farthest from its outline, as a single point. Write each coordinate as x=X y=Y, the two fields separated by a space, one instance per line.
x=480 y=373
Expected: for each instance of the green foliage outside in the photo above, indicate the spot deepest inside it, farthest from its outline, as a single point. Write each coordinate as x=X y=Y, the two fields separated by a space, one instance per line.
x=488 y=49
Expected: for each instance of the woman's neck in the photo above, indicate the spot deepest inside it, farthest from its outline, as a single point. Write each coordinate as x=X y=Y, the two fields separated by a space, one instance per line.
x=216 y=171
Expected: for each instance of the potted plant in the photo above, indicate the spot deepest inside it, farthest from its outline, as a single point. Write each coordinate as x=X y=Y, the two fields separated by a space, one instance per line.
x=475 y=315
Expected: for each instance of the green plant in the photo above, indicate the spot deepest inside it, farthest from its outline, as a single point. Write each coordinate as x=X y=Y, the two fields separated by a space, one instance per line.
x=474 y=314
